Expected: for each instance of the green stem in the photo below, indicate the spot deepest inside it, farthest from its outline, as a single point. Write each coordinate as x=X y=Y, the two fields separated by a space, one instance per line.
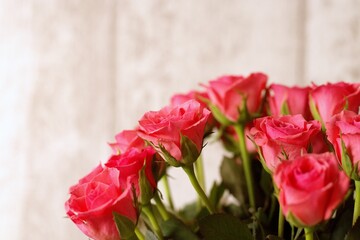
x=309 y=234
x=139 y=235
x=199 y=171
x=167 y=191
x=357 y=202
x=160 y=205
x=272 y=208
x=154 y=223
x=189 y=170
x=199 y=168
x=239 y=128
x=281 y=224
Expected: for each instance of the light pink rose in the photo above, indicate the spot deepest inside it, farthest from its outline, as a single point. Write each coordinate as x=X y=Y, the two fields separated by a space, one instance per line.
x=310 y=188
x=296 y=99
x=125 y=140
x=345 y=127
x=282 y=138
x=332 y=98
x=164 y=128
x=227 y=93
x=94 y=199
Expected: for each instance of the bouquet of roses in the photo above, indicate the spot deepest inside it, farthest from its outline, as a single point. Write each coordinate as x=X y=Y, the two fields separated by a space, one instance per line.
x=290 y=171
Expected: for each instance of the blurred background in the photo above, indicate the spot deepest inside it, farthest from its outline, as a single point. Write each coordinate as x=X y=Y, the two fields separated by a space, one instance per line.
x=74 y=73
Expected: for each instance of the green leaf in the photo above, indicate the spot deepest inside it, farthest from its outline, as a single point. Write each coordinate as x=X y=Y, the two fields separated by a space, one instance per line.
x=189 y=211
x=146 y=190
x=224 y=226
x=233 y=179
x=125 y=226
x=354 y=232
x=216 y=192
x=342 y=222
x=189 y=151
x=266 y=183
x=219 y=116
x=177 y=230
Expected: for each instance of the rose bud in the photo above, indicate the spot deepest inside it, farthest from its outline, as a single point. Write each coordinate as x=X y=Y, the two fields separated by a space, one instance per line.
x=177 y=132
x=310 y=188
x=285 y=100
x=233 y=98
x=282 y=138
x=343 y=131
x=125 y=140
x=329 y=99
x=95 y=198
x=136 y=166
x=202 y=98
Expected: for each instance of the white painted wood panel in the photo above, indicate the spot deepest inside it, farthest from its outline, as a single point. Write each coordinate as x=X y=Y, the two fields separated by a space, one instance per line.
x=333 y=41
x=165 y=47
x=16 y=83
x=73 y=73
x=66 y=92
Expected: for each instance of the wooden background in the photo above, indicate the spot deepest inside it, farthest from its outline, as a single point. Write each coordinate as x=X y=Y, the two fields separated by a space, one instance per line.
x=73 y=73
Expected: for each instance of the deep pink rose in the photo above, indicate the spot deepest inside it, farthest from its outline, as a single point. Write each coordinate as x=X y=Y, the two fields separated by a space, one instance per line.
x=310 y=188
x=130 y=163
x=295 y=98
x=227 y=93
x=125 y=140
x=93 y=200
x=345 y=127
x=282 y=138
x=165 y=128
x=332 y=98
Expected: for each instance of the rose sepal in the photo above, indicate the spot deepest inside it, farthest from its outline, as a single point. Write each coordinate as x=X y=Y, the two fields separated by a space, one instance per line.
x=125 y=226
x=168 y=157
x=315 y=113
x=146 y=190
x=189 y=151
x=347 y=165
x=221 y=118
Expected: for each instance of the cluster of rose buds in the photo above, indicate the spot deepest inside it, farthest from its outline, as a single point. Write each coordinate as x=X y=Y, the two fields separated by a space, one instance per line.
x=307 y=139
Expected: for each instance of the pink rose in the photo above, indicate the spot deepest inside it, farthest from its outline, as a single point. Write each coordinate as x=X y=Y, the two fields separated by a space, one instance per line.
x=227 y=93
x=130 y=163
x=310 y=188
x=282 y=138
x=201 y=97
x=345 y=128
x=93 y=200
x=295 y=99
x=332 y=98
x=168 y=128
x=179 y=98
x=125 y=140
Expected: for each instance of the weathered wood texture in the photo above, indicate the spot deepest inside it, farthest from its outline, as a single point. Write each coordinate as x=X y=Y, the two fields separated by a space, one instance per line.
x=332 y=41
x=73 y=73
x=171 y=46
